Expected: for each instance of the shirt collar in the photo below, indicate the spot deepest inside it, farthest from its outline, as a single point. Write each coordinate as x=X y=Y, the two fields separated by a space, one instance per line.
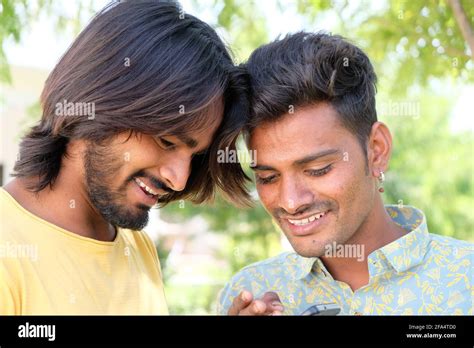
x=409 y=250
x=402 y=254
x=304 y=265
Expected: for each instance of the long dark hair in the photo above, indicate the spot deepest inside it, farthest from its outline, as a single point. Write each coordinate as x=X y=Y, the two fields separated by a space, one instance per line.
x=149 y=68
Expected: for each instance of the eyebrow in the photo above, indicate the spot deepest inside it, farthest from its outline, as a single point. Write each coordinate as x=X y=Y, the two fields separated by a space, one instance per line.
x=302 y=161
x=316 y=156
x=190 y=142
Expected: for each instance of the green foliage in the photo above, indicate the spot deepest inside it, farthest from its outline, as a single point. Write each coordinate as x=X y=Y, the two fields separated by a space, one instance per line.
x=245 y=24
x=16 y=17
x=432 y=169
x=11 y=26
x=412 y=41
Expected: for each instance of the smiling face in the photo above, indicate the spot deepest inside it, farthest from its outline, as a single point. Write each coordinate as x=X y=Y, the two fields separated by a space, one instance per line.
x=126 y=177
x=312 y=177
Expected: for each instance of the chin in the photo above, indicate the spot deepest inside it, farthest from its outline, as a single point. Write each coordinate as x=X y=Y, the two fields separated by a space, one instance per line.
x=134 y=218
x=307 y=250
x=310 y=253
x=137 y=224
x=312 y=245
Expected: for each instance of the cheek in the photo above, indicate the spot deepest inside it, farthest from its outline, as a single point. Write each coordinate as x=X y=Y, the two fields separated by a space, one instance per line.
x=267 y=196
x=138 y=155
x=343 y=185
x=352 y=193
x=333 y=185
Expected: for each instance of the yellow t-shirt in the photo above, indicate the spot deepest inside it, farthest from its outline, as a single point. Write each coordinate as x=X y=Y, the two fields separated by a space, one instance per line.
x=45 y=269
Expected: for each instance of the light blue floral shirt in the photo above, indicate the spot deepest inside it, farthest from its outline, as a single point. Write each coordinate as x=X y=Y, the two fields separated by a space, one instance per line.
x=417 y=274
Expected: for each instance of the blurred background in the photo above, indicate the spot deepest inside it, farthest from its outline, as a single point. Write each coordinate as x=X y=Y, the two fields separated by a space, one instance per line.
x=422 y=52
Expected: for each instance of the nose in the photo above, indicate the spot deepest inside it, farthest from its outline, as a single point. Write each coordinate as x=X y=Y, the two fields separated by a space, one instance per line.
x=175 y=172
x=294 y=195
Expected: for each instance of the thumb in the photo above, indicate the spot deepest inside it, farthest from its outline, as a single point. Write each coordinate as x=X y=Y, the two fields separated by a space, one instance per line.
x=273 y=302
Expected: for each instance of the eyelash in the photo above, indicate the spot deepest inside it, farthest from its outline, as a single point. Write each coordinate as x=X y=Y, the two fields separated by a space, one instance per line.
x=265 y=181
x=167 y=145
x=318 y=172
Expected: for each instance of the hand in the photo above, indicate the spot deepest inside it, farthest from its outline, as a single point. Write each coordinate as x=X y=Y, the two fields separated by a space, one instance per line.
x=244 y=304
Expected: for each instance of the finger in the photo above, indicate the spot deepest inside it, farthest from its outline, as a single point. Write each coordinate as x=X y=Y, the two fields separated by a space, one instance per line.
x=240 y=302
x=273 y=302
x=257 y=307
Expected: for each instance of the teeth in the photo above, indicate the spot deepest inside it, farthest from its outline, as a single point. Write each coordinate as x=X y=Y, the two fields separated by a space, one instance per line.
x=145 y=187
x=307 y=220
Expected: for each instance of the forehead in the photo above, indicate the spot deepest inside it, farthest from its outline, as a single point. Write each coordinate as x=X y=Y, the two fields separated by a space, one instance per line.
x=201 y=132
x=308 y=129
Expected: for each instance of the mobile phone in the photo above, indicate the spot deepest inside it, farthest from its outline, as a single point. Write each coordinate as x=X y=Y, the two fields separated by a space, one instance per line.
x=323 y=309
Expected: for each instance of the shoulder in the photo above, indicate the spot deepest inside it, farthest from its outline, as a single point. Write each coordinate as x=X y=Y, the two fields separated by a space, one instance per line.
x=451 y=246
x=450 y=241
x=452 y=257
x=139 y=240
x=12 y=224
x=142 y=243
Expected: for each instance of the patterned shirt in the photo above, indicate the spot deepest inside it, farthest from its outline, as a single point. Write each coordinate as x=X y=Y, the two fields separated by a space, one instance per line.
x=418 y=274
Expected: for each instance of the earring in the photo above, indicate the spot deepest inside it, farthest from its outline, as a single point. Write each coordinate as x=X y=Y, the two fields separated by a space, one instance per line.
x=381 y=180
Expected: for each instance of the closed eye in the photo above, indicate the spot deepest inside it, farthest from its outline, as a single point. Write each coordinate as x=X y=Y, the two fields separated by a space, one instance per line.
x=166 y=144
x=320 y=172
x=266 y=180
x=313 y=172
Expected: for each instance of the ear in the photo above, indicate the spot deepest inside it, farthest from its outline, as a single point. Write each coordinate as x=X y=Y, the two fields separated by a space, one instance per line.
x=379 y=148
x=77 y=147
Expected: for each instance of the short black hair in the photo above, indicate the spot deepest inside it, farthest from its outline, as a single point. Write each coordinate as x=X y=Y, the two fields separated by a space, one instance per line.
x=303 y=69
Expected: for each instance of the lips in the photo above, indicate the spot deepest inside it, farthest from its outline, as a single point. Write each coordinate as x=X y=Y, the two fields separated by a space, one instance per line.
x=307 y=225
x=145 y=193
x=147 y=189
x=305 y=221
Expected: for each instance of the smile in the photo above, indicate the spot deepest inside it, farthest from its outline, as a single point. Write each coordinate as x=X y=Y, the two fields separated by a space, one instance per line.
x=144 y=187
x=309 y=219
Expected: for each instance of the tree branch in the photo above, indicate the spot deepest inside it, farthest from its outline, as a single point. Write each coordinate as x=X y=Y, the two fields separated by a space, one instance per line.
x=463 y=23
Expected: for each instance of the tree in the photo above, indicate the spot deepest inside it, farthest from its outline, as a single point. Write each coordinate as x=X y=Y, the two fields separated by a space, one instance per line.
x=413 y=41
x=16 y=16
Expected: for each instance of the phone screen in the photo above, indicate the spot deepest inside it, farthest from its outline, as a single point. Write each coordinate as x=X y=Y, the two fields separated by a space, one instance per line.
x=323 y=309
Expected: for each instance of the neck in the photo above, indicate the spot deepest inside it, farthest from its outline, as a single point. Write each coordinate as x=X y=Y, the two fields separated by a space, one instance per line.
x=377 y=231
x=65 y=205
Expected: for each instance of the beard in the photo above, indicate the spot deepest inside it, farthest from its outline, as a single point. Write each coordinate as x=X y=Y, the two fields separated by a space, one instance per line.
x=100 y=168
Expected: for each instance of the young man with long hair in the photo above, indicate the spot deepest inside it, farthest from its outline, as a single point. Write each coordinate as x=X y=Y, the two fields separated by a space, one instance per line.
x=133 y=116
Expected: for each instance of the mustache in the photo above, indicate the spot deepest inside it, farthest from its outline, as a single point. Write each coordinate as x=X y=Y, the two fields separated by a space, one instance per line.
x=157 y=183
x=312 y=207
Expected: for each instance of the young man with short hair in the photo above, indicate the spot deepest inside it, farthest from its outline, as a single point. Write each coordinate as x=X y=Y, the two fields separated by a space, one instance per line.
x=321 y=159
